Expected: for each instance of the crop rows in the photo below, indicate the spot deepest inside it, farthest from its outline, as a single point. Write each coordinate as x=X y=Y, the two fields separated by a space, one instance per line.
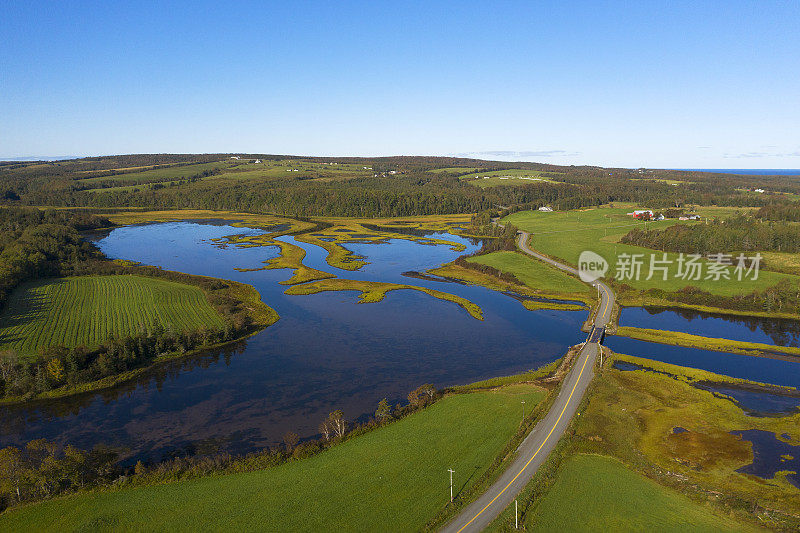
x=88 y=310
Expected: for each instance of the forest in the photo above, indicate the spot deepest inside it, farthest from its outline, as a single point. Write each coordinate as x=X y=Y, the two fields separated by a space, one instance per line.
x=393 y=186
x=37 y=244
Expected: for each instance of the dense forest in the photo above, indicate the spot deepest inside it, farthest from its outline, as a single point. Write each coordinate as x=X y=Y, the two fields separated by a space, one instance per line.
x=780 y=211
x=736 y=234
x=37 y=244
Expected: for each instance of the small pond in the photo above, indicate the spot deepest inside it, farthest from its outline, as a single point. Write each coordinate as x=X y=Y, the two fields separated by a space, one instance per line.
x=771 y=455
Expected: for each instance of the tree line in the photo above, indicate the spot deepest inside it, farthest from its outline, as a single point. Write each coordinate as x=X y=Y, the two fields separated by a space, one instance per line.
x=413 y=191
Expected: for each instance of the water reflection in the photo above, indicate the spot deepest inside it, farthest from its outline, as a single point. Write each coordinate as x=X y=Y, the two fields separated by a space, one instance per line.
x=761 y=369
x=780 y=331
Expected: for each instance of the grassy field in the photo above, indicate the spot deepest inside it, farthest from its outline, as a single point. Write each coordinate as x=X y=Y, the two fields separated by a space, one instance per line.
x=679 y=338
x=146 y=176
x=391 y=479
x=87 y=310
x=533 y=273
x=611 y=497
x=565 y=234
x=504 y=177
x=232 y=170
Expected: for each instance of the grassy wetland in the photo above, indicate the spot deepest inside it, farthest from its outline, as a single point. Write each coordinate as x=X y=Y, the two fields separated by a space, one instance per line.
x=678 y=338
x=657 y=425
x=373 y=291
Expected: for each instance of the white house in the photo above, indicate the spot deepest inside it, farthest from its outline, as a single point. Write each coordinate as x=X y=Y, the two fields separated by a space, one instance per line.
x=546 y=209
x=257 y=161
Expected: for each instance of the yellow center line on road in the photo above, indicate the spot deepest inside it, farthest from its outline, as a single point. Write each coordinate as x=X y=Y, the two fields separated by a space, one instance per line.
x=537 y=451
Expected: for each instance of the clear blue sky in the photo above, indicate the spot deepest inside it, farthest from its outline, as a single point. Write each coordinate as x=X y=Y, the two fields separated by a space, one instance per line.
x=658 y=84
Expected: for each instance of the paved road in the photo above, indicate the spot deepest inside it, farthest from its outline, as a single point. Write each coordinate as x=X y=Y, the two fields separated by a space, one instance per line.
x=536 y=447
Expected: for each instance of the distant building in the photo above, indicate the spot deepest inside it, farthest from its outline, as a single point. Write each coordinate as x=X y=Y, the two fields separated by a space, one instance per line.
x=546 y=209
x=234 y=157
x=758 y=190
x=659 y=217
x=257 y=161
x=642 y=213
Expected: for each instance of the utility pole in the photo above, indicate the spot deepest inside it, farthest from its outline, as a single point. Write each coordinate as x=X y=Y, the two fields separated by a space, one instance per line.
x=516 y=515
x=451 y=483
x=523 y=411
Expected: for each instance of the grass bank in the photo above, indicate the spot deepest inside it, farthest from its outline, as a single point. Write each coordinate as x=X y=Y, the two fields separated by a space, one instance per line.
x=612 y=497
x=393 y=478
x=374 y=291
x=677 y=338
x=291 y=257
x=534 y=305
x=489 y=281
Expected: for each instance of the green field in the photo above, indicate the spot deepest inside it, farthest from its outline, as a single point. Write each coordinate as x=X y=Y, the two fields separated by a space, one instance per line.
x=176 y=172
x=512 y=176
x=532 y=272
x=597 y=493
x=87 y=310
x=390 y=479
x=565 y=234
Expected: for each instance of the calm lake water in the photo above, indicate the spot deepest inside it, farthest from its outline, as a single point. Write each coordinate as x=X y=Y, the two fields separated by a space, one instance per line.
x=326 y=352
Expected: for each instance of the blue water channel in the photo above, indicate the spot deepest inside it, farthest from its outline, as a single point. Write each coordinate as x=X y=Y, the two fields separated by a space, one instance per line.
x=761 y=369
x=326 y=352
x=782 y=332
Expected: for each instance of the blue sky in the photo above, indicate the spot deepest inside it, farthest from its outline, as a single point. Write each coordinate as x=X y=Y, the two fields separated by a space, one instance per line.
x=658 y=84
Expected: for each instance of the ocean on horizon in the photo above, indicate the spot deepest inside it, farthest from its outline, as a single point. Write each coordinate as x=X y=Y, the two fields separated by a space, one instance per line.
x=749 y=171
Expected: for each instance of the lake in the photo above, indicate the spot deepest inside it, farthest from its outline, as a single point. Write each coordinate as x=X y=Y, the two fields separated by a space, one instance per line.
x=326 y=352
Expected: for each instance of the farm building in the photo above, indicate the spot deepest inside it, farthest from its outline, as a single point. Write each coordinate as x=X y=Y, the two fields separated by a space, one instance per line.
x=642 y=213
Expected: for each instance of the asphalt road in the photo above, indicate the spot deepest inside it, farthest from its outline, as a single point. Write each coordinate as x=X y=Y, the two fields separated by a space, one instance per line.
x=537 y=446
